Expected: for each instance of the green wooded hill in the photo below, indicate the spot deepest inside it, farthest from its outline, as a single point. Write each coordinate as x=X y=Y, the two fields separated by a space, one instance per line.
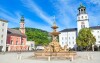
x=41 y=37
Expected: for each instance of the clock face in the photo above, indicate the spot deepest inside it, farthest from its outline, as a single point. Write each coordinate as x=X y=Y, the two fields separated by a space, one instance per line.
x=82 y=23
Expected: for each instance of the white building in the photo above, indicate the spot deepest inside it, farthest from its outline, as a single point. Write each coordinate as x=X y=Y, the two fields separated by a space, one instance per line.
x=68 y=36
x=31 y=45
x=3 y=34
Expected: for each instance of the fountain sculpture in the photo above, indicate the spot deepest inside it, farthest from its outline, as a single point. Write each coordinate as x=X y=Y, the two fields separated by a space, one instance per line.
x=54 y=49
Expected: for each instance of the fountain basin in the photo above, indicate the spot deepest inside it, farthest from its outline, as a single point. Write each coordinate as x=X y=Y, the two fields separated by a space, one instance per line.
x=68 y=54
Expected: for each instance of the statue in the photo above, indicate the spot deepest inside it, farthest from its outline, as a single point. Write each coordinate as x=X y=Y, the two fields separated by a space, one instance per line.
x=54 y=46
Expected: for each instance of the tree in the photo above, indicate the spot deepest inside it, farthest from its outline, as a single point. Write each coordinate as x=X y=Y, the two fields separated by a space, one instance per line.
x=85 y=38
x=39 y=36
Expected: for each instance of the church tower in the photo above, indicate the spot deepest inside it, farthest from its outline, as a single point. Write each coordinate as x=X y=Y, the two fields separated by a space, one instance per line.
x=82 y=18
x=22 y=25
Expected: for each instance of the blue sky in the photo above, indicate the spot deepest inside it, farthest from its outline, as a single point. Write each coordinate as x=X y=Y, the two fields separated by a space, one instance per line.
x=39 y=13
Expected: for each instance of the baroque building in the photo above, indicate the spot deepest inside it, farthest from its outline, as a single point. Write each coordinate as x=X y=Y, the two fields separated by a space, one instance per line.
x=68 y=36
x=16 y=39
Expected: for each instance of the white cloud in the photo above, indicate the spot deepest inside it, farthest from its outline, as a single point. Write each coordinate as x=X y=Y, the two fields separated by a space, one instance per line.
x=65 y=13
x=95 y=2
x=34 y=8
x=14 y=19
x=93 y=20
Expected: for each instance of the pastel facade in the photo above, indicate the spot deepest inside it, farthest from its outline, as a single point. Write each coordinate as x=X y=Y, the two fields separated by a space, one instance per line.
x=3 y=34
x=68 y=36
x=16 y=39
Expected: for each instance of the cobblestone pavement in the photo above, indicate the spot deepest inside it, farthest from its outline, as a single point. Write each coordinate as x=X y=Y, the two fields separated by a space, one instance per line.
x=24 y=57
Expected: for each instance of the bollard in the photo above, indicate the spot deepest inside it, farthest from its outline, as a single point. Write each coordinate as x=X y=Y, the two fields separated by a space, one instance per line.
x=71 y=58
x=49 y=58
x=20 y=57
x=88 y=57
x=17 y=56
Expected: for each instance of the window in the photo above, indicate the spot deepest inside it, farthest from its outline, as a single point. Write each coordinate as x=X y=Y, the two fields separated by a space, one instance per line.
x=1 y=36
x=82 y=26
x=82 y=17
x=84 y=9
x=1 y=41
x=2 y=24
x=69 y=42
x=81 y=9
x=16 y=42
x=73 y=37
x=11 y=42
x=73 y=42
x=31 y=45
x=79 y=18
x=98 y=36
x=23 y=25
x=69 y=37
x=2 y=30
x=22 y=43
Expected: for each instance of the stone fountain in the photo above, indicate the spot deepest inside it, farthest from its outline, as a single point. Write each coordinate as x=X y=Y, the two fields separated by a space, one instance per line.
x=54 y=49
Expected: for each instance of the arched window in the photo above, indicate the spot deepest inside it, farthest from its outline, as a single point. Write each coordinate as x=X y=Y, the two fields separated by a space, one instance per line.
x=11 y=42
x=82 y=17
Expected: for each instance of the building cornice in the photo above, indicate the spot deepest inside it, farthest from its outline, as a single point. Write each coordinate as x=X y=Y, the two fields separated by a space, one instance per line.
x=83 y=20
x=3 y=20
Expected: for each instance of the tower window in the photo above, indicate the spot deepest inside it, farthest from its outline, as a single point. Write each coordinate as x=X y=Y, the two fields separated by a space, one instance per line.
x=81 y=9
x=82 y=26
x=23 y=25
x=82 y=17
x=79 y=18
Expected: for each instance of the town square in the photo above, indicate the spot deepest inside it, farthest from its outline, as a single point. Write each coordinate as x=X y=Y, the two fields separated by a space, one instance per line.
x=61 y=31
